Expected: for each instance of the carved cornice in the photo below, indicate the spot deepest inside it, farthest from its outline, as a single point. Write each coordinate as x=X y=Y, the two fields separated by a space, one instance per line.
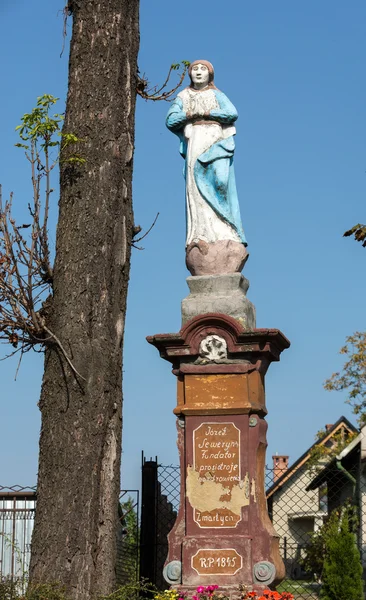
x=246 y=350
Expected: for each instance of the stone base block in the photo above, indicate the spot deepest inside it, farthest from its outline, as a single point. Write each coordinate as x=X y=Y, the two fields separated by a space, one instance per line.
x=224 y=294
x=217 y=258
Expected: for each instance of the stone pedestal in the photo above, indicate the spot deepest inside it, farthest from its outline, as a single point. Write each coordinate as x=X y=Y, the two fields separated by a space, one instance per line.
x=224 y=294
x=222 y=534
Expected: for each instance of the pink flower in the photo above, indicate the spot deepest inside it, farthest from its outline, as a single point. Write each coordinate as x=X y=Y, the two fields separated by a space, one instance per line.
x=195 y=598
x=200 y=589
x=211 y=588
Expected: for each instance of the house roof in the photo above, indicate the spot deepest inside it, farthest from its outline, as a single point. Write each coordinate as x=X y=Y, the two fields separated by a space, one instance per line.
x=332 y=464
x=290 y=472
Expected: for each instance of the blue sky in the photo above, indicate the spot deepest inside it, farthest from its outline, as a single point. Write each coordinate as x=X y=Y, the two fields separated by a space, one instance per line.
x=295 y=71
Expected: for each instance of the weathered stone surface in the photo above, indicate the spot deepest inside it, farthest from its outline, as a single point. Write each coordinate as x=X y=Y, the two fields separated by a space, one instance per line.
x=214 y=475
x=225 y=393
x=224 y=294
x=222 y=528
x=216 y=258
x=217 y=561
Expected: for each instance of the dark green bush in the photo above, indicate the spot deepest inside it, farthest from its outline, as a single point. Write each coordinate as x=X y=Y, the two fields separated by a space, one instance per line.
x=342 y=570
x=46 y=591
x=8 y=589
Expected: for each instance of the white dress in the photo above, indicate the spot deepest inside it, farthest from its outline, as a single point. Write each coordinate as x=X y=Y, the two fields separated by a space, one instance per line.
x=202 y=221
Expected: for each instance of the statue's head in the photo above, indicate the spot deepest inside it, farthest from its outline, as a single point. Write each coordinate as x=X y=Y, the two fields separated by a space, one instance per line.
x=201 y=73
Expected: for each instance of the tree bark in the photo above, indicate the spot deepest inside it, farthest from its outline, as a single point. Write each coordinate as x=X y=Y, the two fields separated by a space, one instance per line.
x=74 y=539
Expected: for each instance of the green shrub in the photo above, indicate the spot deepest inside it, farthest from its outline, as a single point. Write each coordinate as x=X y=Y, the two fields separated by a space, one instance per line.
x=8 y=589
x=132 y=591
x=342 y=570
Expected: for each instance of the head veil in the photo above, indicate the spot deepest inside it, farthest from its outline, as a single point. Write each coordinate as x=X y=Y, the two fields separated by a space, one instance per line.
x=210 y=71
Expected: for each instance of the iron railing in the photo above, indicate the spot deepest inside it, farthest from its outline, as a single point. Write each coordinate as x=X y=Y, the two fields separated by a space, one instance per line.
x=17 y=512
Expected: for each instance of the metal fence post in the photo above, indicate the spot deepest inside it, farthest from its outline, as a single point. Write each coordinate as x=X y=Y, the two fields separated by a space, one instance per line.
x=148 y=531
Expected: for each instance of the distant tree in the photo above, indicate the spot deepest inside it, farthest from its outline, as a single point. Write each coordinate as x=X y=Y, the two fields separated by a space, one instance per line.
x=353 y=375
x=359 y=233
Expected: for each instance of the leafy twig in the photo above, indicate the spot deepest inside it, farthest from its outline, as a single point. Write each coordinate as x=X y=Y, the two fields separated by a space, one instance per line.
x=26 y=274
x=156 y=93
x=359 y=233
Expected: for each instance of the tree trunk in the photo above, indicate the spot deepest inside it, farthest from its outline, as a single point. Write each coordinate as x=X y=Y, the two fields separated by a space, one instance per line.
x=74 y=539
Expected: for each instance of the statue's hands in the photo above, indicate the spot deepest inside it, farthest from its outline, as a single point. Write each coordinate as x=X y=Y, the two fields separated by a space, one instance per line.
x=197 y=114
x=194 y=114
x=200 y=113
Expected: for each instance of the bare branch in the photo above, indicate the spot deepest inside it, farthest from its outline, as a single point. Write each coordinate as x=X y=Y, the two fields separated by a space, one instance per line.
x=138 y=229
x=156 y=93
x=66 y=12
x=55 y=338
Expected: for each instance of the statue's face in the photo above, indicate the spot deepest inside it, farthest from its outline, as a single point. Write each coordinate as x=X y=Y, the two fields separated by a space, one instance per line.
x=200 y=75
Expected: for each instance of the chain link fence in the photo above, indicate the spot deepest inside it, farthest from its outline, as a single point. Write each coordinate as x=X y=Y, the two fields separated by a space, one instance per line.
x=128 y=544
x=301 y=502
x=159 y=508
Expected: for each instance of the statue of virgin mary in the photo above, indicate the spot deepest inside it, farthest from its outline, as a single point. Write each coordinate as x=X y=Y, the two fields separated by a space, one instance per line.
x=203 y=118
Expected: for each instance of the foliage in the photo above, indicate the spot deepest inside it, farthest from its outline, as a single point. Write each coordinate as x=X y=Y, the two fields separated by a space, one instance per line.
x=26 y=273
x=46 y=591
x=208 y=592
x=267 y=595
x=211 y=592
x=320 y=453
x=342 y=569
x=314 y=559
x=315 y=550
x=298 y=587
x=148 y=92
x=169 y=595
x=8 y=589
x=353 y=376
x=322 y=540
x=359 y=233
x=132 y=591
x=130 y=539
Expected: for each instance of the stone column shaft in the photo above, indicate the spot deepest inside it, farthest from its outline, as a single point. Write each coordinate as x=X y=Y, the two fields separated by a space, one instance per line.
x=222 y=534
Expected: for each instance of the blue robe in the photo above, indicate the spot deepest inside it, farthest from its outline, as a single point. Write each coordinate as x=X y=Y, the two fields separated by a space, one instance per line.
x=214 y=169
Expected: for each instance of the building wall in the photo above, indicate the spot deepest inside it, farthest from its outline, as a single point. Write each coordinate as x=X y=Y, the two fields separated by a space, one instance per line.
x=289 y=501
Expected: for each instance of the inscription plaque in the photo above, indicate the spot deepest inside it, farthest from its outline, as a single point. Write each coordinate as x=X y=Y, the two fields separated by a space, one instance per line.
x=216 y=460
x=217 y=561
